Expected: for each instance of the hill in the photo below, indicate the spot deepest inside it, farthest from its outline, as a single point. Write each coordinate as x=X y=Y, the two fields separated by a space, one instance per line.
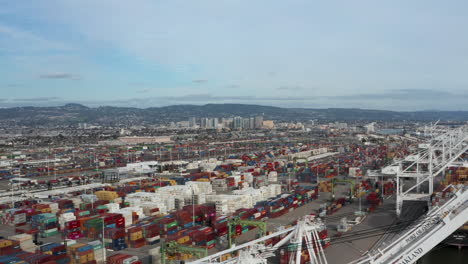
x=109 y=115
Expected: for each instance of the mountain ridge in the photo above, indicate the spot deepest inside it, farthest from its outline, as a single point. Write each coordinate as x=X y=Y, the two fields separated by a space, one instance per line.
x=107 y=115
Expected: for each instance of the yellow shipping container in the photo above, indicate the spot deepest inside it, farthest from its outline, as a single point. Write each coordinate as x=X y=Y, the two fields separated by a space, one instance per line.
x=225 y=257
x=106 y=195
x=74 y=247
x=360 y=194
x=183 y=239
x=5 y=243
x=136 y=235
x=83 y=259
x=184 y=256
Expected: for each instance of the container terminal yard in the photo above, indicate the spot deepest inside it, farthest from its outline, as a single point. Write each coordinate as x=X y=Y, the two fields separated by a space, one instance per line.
x=341 y=199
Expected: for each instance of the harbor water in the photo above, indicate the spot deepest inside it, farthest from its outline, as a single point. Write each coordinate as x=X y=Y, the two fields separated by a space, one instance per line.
x=446 y=254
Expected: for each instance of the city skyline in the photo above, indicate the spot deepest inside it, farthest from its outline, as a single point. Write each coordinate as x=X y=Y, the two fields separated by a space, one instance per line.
x=395 y=55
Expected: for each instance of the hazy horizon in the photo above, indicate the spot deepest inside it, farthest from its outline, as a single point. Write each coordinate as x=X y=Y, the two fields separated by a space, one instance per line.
x=261 y=105
x=396 y=55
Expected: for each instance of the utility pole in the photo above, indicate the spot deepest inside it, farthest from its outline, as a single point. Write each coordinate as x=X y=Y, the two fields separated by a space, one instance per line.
x=48 y=153
x=103 y=243
x=55 y=166
x=193 y=208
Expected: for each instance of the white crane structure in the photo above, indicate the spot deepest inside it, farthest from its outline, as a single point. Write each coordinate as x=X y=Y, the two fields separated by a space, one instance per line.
x=305 y=232
x=439 y=223
x=442 y=151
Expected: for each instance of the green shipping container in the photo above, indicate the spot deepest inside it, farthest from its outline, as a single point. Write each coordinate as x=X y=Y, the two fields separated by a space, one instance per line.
x=172 y=224
x=50 y=220
x=84 y=213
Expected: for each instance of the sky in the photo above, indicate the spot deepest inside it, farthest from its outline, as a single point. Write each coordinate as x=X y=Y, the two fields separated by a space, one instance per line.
x=394 y=55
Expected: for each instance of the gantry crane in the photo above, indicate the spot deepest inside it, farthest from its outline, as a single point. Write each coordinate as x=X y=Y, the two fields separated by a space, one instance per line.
x=334 y=181
x=174 y=247
x=262 y=226
x=255 y=252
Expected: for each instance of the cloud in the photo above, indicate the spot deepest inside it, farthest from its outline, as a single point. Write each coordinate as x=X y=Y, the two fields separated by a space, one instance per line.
x=37 y=99
x=232 y=86
x=68 y=76
x=272 y=73
x=208 y=98
x=290 y=88
x=27 y=41
x=138 y=84
x=142 y=91
x=200 y=81
x=402 y=95
x=407 y=99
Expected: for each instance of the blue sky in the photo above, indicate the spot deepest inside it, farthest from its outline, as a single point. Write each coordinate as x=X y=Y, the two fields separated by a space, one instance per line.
x=398 y=55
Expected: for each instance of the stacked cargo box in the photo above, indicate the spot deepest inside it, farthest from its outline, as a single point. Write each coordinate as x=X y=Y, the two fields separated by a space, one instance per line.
x=57 y=251
x=29 y=213
x=184 y=217
x=64 y=218
x=54 y=207
x=112 y=207
x=92 y=227
x=114 y=238
x=127 y=215
x=35 y=258
x=106 y=195
x=11 y=260
x=220 y=225
x=204 y=237
x=42 y=208
x=8 y=247
x=81 y=254
x=25 y=241
x=98 y=250
x=151 y=233
x=389 y=188
x=14 y=217
x=168 y=225
x=46 y=223
x=113 y=220
x=66 y=204
x=72 y=230
x=82 y=213
x=135 y=237
x=219 y=185
x=150 y=209
x=123 y=259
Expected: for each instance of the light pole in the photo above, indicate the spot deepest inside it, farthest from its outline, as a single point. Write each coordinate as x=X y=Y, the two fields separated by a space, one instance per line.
x=103 y=243
x=193 y=207
x=55 y=166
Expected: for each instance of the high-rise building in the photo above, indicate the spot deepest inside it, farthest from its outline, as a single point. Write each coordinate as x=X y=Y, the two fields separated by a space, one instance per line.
x=245 y=123
x=252 y=123
x=237 y=122
x=258 y=122
x=214 y=122
x=192 y=122
x=204 y=122
x=227 y=122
